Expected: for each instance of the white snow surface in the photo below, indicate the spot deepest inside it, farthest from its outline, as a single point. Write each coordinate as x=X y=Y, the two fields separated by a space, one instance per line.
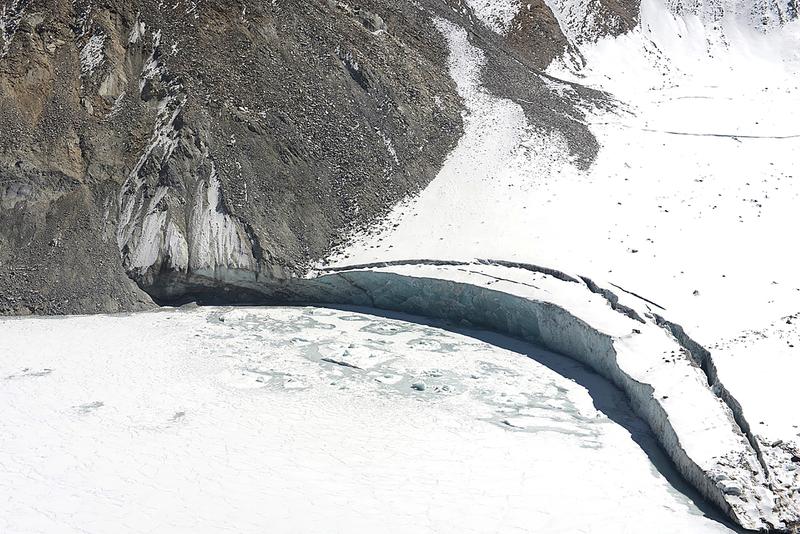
x=690 y=203
x=495 y=14
x=765 y=354
x=311 y=420
x=92 y=54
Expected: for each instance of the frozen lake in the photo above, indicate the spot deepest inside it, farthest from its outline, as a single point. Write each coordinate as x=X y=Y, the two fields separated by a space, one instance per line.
x=316 y=420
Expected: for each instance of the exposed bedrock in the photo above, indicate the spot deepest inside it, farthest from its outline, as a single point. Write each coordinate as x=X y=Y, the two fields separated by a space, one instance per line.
x=167 y=143
x=205 y=136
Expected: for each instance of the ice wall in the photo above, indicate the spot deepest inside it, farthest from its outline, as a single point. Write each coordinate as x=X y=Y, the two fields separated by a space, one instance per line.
x=699 y=424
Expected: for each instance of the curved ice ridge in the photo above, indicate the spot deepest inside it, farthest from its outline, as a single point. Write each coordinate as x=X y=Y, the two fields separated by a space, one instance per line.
x=671 y=380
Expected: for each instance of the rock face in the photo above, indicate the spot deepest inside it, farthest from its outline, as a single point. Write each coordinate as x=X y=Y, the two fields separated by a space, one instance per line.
x=145 y=140
x=147 y=151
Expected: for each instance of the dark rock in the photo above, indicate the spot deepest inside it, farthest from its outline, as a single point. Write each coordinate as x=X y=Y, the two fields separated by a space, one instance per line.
x=200 y=150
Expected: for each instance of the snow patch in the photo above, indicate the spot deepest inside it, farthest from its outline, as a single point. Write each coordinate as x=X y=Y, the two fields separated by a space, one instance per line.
x=93 y=53
x=116 y=107
x=177 y=248
x=389 y=147
x=9 y=23
x=497 y=15
x=143 y=218
x=162 y=143
x=137 y=32
x=492 y=173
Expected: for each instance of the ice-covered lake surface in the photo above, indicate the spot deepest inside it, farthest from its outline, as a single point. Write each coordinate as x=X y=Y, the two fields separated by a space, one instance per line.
x=316 y=420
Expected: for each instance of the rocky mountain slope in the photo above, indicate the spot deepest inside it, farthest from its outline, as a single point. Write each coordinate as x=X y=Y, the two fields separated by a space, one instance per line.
x=149 y=151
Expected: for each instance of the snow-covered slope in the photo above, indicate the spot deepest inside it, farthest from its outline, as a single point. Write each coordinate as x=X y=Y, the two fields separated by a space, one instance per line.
x=690 y=202
x=495 y=14
x=696 y=168
x=310 y=420
x=760 y=367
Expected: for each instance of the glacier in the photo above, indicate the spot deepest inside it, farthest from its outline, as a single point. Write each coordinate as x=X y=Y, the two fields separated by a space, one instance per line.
x=666 y=267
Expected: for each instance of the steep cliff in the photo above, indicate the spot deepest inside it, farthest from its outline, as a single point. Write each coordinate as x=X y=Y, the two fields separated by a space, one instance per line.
x=143 y=140
x=204 y=142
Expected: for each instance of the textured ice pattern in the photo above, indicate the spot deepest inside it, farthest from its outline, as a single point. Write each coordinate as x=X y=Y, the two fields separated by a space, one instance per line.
x=311 y=420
